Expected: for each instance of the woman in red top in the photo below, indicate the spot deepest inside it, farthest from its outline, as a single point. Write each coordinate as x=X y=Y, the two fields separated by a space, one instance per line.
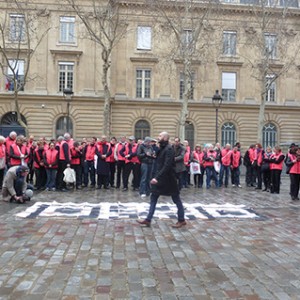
x=2 y=159
x=293 y=162
x=276 y=160
x=197 y=156
x=51 y=165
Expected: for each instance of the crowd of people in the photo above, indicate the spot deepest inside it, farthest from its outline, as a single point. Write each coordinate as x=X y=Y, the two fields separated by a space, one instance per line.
x=105 y=164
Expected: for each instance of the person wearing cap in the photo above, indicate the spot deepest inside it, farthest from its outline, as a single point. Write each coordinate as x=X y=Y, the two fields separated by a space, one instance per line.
x=146 y=155
x=164 y=182
x=15 y=185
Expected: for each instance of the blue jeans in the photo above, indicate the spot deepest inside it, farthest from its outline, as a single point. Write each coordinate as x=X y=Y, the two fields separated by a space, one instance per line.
x=211 y=174
x=89 y=168
x=146 y=172
x=224 y=170
x=51 y=175
x=176 y=199
x=236 y=175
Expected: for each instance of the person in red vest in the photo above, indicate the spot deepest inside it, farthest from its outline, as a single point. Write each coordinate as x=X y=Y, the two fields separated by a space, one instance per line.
x=103 y=152
x=132 y=164
x=31 y=145
x=2 y=159
x=76 y=159
x=18 y=152
x=210 y=157
x=225 y=164
x=11 y=139
x=266 y=172
x=276 y=165
x=197 y=156
x=120 y=160
x=112 y=162
x=88 y=157
x=258 y=159
x=39 y=167
x=236 y=160
x=186 y=176
x=293 y=164
x=51 y=165
x=64 y=159
x=249 y=164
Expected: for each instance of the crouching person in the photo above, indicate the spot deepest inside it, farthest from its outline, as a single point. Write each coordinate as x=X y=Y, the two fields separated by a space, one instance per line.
x=15 y=187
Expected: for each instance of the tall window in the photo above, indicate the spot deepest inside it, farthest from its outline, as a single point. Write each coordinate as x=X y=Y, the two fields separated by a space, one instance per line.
x=270 y=89
x=189 y=133
x=229 y=43
x=187 y=40
x=67 y=30
x=66 y=75
x=143 y=83
x=17 y=28
x=144 y=38
x=271 y=45
x=228 y=134
x=64 y=124
x=142 y=129
x=228 y=86
x=269 y=135
x=15 y=70
x=289 y=3
x=181 y=86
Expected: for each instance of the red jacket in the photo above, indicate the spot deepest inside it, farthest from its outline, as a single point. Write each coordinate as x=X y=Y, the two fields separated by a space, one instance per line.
x=226 y=157
x=15 y=152
x=277 y=157
x=132 y=152
x=295 y=169
x=38 y=160
x=236 y=159
x=51 y=158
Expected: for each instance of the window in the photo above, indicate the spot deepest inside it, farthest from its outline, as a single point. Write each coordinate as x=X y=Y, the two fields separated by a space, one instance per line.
x=143 y=83
x=181 y=86
x=228 y=86
x=228 y=134
x=144 y=38
x=229 y=43
x=271 y=45
x=17 y=28
x=142 y=129
x=64 y=124
x=289 y=3
x=15 y=71
x=189 y=133
x=187 y=40
x=66 y=75
x=270 y=89
x=269 y=135
x=67 y=30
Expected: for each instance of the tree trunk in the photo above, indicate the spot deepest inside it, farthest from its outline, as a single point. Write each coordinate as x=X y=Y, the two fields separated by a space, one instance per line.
x=107 y=100
x=261 y=114
x=19 y=118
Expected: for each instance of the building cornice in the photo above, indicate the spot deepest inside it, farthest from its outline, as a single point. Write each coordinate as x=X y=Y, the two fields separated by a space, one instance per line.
x=66 y=53
x=152 y=60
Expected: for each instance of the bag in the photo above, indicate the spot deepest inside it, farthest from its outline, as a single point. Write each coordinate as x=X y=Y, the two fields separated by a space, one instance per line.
x=217 y=166
x=195 y=168
x=265 y=167
x=2 y=163
x=69 y=175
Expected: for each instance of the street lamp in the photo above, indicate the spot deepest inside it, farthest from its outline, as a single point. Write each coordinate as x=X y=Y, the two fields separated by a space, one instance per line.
x=217 y=101
x=68 y=93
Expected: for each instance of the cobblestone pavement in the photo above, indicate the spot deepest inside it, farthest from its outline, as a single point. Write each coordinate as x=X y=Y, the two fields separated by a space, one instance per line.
x=55 y=258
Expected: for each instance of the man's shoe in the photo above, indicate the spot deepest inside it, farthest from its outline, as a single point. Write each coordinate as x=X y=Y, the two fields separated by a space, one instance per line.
x=179 y=224
x=144 y=222
x=143 y=196
x=125 y=190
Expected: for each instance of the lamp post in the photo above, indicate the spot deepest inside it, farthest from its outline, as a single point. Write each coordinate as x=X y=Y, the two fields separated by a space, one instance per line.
x=68 y=93
x=217 y=101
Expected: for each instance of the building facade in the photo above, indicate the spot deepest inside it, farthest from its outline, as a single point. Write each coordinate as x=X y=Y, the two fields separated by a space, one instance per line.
x=146 y=79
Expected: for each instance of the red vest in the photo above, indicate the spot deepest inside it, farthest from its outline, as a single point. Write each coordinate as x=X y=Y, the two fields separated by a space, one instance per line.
x=90 y=152
x=251 y=155
x=101 y=151
x=226 y=157
x=198 y=156
x=187 y=155
x=295 y=169
x=38 y=158
x=111 y=158
x=134 y=159
x=236 y=159
x=210 y=163
x=276 y=166
x=2 y=151
x=118 y=149
x=75 y=160
x=17 y=151
x=51 y=157
x=61 y=151
x=258 y=157
x=8 y=143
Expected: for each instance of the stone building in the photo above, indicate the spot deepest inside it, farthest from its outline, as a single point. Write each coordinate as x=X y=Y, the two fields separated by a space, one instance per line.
x=146 y=86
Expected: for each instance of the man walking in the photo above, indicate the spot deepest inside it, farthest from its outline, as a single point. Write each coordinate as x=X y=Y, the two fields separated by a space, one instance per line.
x=164 y=181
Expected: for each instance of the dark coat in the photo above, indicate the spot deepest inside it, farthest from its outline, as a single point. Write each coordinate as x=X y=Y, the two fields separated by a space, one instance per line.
x=179 y=158
x=165 y=173
x=102 y=164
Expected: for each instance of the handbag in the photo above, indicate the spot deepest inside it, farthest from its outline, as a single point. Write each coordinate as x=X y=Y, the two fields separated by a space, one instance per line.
x=195 y=168
x=69 y=175
x=217 y=166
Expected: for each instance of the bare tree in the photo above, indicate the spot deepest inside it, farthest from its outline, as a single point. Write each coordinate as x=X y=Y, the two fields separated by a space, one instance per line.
x=105 y=26
x=276 y=47
x=186 y=22
x=20 y=36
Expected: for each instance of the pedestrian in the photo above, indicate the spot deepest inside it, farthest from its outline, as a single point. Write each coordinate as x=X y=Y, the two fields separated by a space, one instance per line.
x=210 y=157
x=146 y=155
x=265 y=169
x=88 y=156
x=236 y=161
x=51 y=165
x=120 y=160
x=293 y=166
x=225 y=165
x=276 y=160
x=258 y=159
x=76 y=163
x=164 y=181
x=197 y=156
x=15 y=187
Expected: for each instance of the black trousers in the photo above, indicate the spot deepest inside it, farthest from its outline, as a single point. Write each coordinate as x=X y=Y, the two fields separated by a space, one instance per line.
x=295 y=182
x=275 y=181
x=120 y=171
x=112 y=172
x=62 y=165
x=135 y=168
x=78 y=173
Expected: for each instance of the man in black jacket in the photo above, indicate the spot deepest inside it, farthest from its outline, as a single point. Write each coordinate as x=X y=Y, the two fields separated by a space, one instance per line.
x=164 y=181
